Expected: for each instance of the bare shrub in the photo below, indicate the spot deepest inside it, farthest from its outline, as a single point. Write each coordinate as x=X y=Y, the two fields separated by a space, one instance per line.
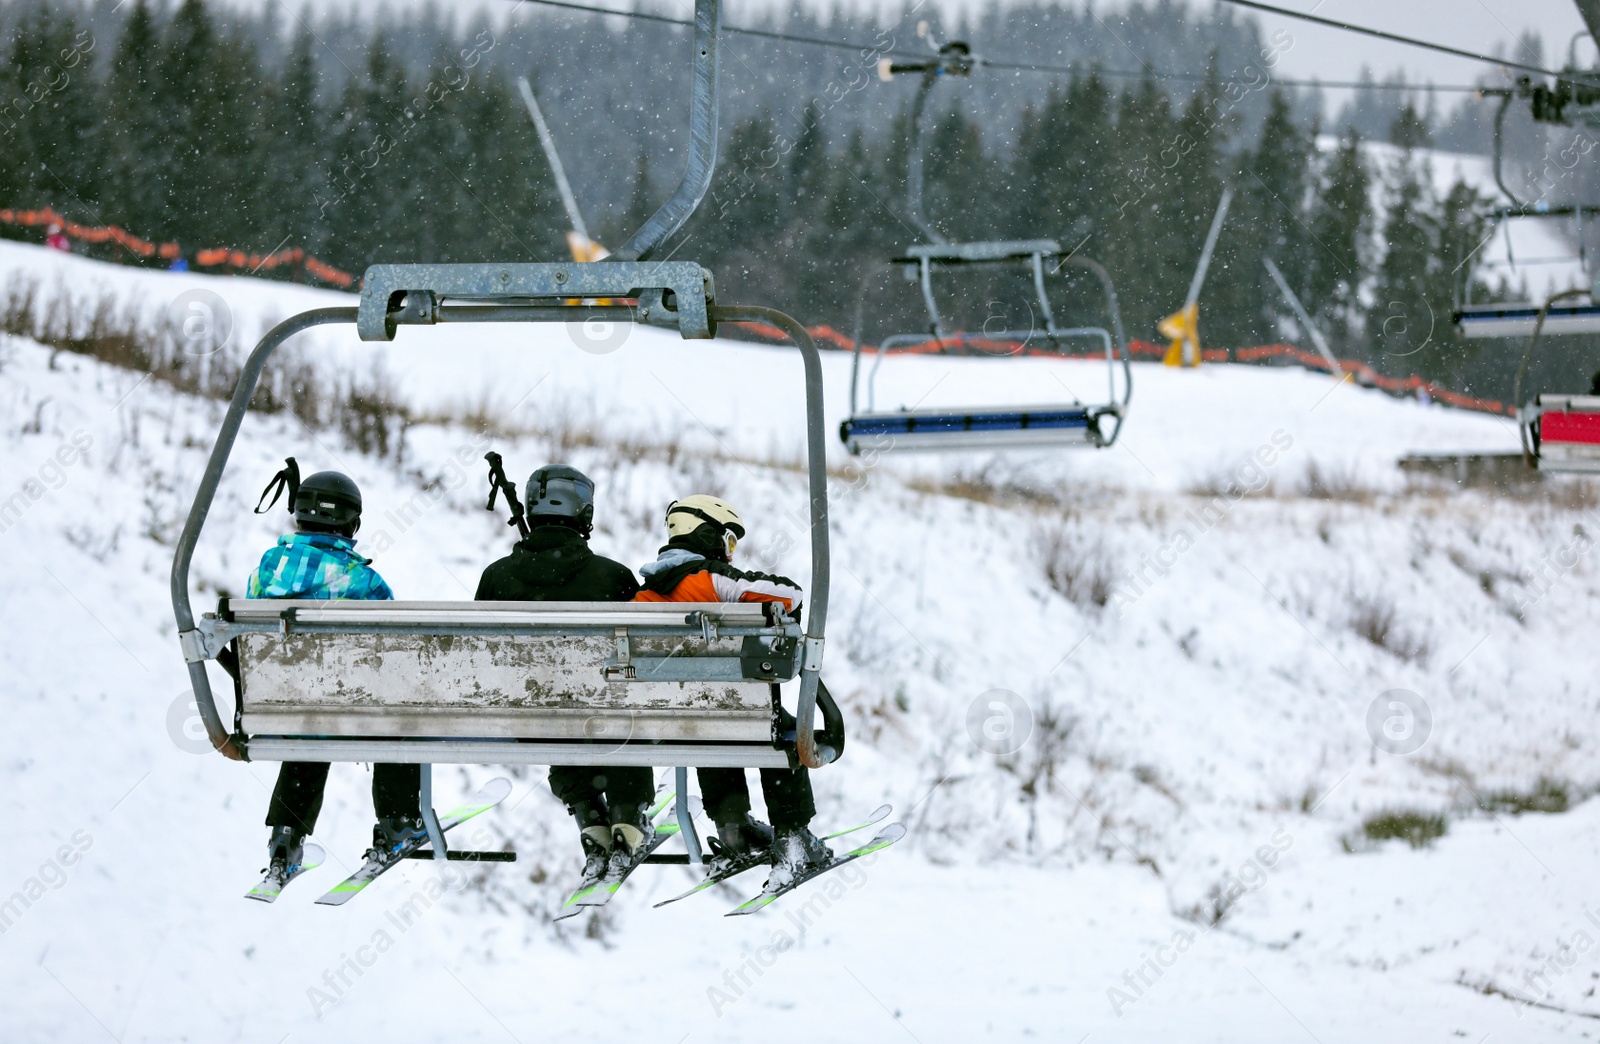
x=372 y=417
x=983 y=487
x=1417 y=829
x=1334 y=482
x=19 y=305
x=1375 y=618
x=1081 y=570
x=1037 y=764
x=1226 y=482
x=1572 y=494
x=1547 y=795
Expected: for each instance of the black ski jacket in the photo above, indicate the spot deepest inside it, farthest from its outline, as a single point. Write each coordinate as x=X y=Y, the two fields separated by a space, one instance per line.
x=555 y=565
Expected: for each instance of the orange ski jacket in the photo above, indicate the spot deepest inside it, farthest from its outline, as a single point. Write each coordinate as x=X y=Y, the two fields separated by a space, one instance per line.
x=684 y=576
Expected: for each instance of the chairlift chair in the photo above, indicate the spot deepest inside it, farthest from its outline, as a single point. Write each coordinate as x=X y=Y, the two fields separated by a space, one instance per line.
x=1559 y=432
x=1519 y=318
x=1066 y=424
x=1562 y=432
x=1069 y=423
x=664 y=684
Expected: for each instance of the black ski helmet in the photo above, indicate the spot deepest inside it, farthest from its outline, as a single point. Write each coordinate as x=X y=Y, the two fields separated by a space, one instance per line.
x=327 y=500
x=330 y=499
x=559 y=491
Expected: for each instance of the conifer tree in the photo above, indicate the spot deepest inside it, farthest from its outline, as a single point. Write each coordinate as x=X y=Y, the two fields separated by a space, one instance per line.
x=187 y=101
x=1149 y=250
x=1402 y=319
x=1267 y=220
x=136 y=148
x=1341 y=224
x=293 y=175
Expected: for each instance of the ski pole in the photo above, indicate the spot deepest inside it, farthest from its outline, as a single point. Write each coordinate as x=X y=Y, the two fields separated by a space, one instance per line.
x=498 y=482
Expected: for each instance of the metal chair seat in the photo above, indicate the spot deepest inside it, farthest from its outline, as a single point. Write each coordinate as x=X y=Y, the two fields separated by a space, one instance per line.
x=976 y=428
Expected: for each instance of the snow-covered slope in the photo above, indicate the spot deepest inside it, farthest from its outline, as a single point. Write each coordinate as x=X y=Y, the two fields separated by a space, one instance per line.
x=1201 y=739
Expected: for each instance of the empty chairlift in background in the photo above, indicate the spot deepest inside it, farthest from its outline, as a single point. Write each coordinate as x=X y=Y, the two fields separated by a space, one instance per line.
x=1574 y=313
x=1557 y=105
x=1560 y=432
x=1068 y=423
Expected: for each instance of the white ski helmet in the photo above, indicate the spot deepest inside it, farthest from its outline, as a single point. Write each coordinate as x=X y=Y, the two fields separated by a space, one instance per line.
x=689 y=514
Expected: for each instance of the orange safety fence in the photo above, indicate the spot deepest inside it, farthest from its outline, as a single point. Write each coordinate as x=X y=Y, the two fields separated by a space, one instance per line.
x=828 y=337
x=209 y=258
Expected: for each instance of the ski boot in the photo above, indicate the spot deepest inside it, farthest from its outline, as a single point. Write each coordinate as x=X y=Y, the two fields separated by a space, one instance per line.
x=629 y=838
x=390 y=835
x=796 y=851
x=742 y=840
x=285 y=849
x=595 y=836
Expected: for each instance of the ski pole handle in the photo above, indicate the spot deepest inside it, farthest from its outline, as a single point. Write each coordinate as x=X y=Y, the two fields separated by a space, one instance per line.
x=498 y=482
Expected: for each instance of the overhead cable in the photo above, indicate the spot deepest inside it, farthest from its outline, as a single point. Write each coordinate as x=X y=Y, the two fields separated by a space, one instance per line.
x=1409 y=41
x=1027 y=67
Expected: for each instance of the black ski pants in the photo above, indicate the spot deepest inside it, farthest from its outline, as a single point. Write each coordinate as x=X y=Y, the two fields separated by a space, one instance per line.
x=787 y=792
x=726 y=795
x=611 y=794
x=297 y=799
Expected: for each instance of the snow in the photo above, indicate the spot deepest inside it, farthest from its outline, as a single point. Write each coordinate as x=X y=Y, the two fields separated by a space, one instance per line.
x=1204 y=730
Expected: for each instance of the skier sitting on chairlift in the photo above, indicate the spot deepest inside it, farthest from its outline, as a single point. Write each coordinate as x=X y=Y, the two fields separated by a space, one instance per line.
x=319 y=561
x=553 y=563
x=695 y=566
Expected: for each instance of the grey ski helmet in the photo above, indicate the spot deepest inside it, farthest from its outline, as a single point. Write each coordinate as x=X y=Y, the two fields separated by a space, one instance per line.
x=558 y=491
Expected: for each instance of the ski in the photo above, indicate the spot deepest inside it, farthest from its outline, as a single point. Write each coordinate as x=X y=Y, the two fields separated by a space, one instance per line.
x=271 y=886
x=756 y=859
x=884 y=838
x=599 y=893
x=488 y=796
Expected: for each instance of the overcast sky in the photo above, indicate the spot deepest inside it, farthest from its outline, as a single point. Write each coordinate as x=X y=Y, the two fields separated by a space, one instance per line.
x=1474 y=25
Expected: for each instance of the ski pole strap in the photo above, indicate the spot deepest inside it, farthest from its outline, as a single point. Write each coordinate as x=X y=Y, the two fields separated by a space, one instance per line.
x=499 y=482
x=287 y=479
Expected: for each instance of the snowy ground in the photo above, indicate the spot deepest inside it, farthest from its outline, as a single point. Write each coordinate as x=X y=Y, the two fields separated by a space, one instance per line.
x=1201 y=739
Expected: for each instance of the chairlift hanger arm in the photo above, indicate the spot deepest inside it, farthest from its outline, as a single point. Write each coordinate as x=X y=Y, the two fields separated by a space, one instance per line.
x=810 y=752
x=702 y=159
x=249 y=376
x=1589 y=11
x=953 y=59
